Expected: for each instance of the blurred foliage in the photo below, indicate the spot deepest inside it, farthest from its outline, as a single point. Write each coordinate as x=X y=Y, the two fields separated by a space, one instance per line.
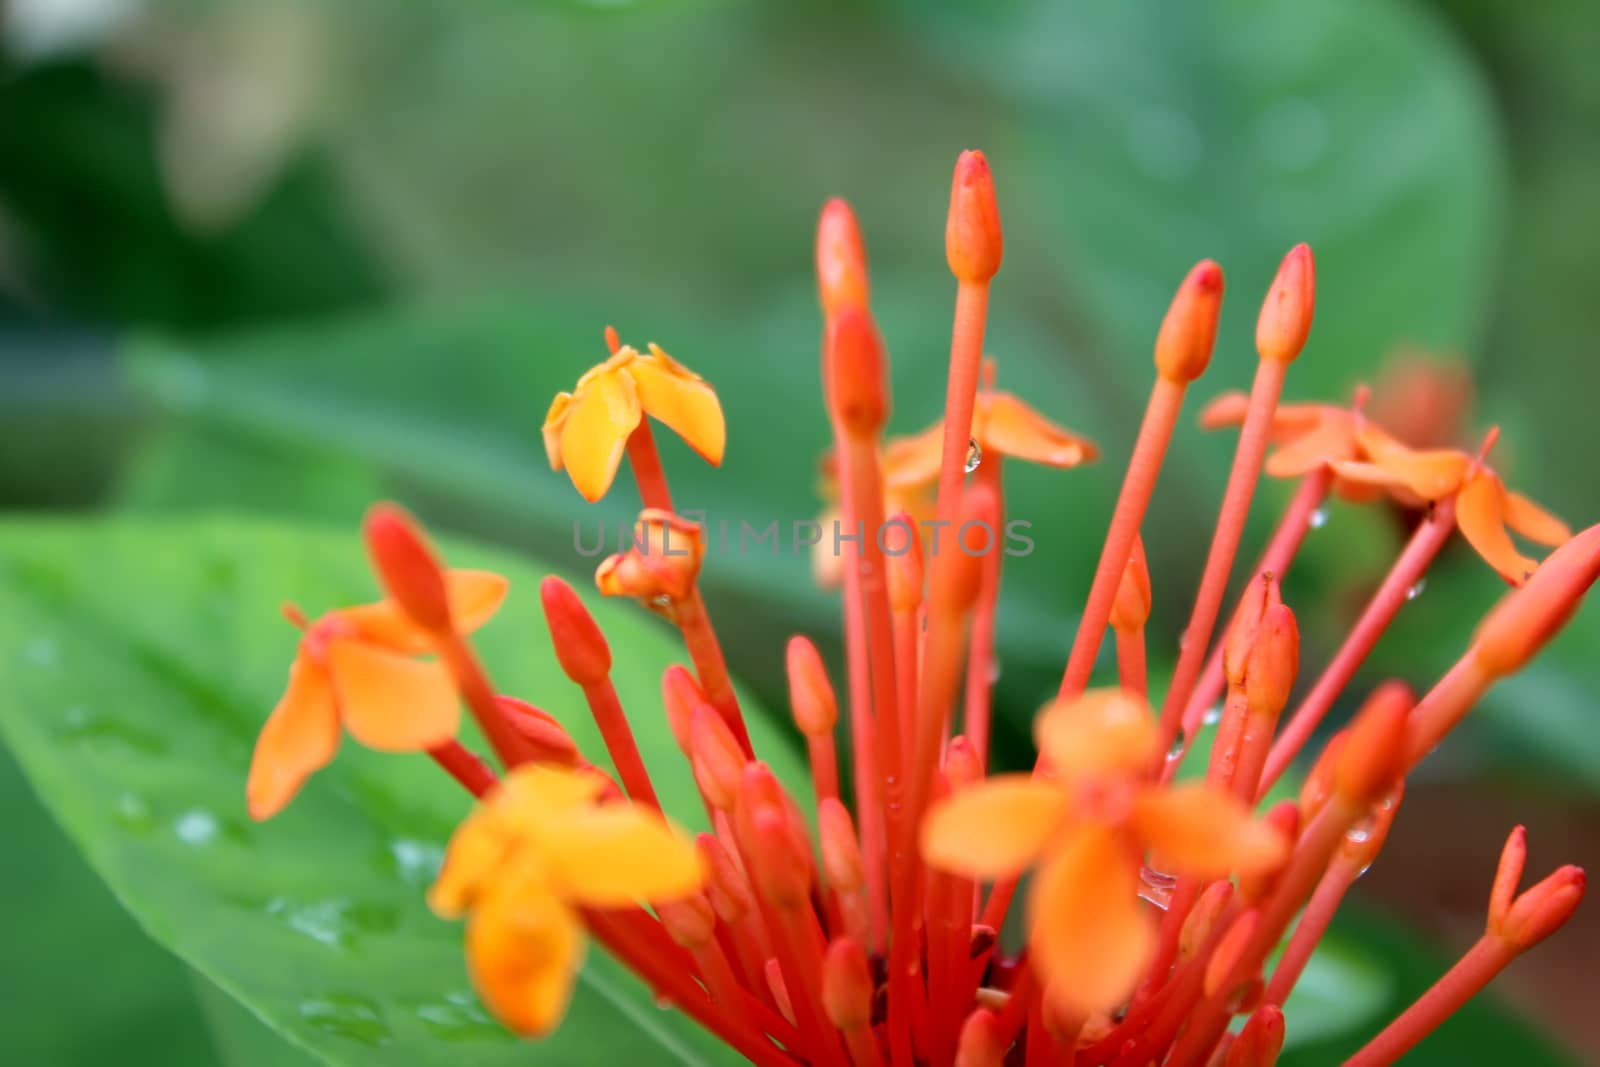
x=279 y=258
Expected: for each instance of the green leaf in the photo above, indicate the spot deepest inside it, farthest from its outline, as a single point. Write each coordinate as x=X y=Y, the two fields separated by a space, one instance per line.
x=142 y=657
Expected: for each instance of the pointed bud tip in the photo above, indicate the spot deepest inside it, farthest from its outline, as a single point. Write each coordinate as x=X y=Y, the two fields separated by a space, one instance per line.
x=846 y=985
x=407 y=566
x=1291 y=302
x=973 y=241
x=1189 y=331
x=857 y=372
x=549 y=739
x=580 y=647
x=811 y=697
x=1528 y=617
x=1373 y=755
x=841 y=259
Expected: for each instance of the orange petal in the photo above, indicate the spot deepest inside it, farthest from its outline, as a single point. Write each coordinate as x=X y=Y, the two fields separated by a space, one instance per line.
x=914 y=460
x=1306 y=452
x=683 y=401
x=1226 y=410
x=554 y=419
x=1481 y=517
x=534 y=792
x=391 y=702
x=299 y=738
x=1012 y=428
x=995 y=828
x=1090 y=939
x=524 y=949
x=1202 y=832
x=1533 y=522
x=1377 y=444
x=475 y=596
x=1104 y=733
x=478 y=848
x=618 y=854
x=595 y=432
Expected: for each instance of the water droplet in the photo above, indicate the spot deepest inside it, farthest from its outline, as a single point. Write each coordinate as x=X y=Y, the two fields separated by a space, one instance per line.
x=459 y=1017
x=974 y=454
x=132 y=813
x=1179 y=743
x=415 y=862
x=1156 y=887
x=1317 y=519
x=1212 y=715
x=337 y=923
x=1417 y=588
x=86 y=726
x=661 y=602
x=197 y=827
x=344 y=1015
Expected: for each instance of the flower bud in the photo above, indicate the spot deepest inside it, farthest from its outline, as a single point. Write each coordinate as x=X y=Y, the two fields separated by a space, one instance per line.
x=780 y=990
x=905 y=567
x=726 y=886
x=841 y=852
x=1285 y=320
x=580 y=647
x=1365 y=839
x=691 y=921
x=1259 y=1043
x=954 y=588
x=1508 y=875
x=1318 y=784
x=962 y=767
x=407 y=567
x=811 y=696
x=1202 y=918
x=681 y=695
x=1260 y=595
x=1183 y=347
x=1131 y=609
x=981 y=1043
x=1544 y=909
x=776 y=851
x=1230 y=953
x=1256 y=886
x=856 y=373
x=548 y=740
x=972 y=239
x=846 y=985
x=1529 y=616
x=715 y=756
x=662 y=564
x=841 y=259
x=1273 y=662
x=1374 y=753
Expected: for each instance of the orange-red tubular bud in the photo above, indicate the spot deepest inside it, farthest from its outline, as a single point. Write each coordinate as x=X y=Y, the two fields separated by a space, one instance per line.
x=580 y=647
x=691 y=922
x=1507 y=876
x=1229 y=951
x=407 y=567
x=1285 y=320
x=1258 y=597
x=1197 y=925
x=775 y=849
x=681 y=695
x=1318 y=786
x=1259 y=1043
x=841 y=853
x=810 y=693
x=953 y=589
x=1284 y=818
x=1273 y=663
x=780 y=990
x=726 y=886
x=1183 y=347
x=716 y=757
x=905 y=567
x=972 y=239
x=846 y=985
x=1374 y=752
x=1365 y=840
x=661 y=565
x=1544 y=909
x=549 y=740
x=1131 y=609
x=857 y=377
x=962 y=768
x=1529 y=616
x=841 y=259
x=981 y=1044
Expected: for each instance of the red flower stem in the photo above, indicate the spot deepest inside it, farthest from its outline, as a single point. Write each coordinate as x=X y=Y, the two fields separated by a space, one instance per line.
x=1459 y=984
x=1015 y=1014
x=1131 y=672
x=1276 y=559
x=1444 y=706
x=862 y=1045
x=1380 y=611
x=647 y=469
x=1247 y=458
x=908 y=668
x=869 y=810
x=465 y=767
x=618 y=738
x=945 y=933
x=1314 y=921
x=961 y=393
x=980 y=656
x=797 y=945
x=824 y=767
x=706 y=654
x=510 y=747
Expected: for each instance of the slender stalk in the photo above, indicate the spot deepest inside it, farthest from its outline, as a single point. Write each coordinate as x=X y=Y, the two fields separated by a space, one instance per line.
x=1308 y=931
x=510 y=748
x=1460 y=984
x=706 y=654
x=961 y=393
x=981 y=642
x=1131 y=674
x=618 y=737
x=1438 y=712
x=465 y=767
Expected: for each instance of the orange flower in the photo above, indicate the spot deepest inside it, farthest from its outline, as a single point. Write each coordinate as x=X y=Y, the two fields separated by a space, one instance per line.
x=1308 y=436
x=359 y=667
x=539 y=847
x=1087 y=829
x=661 y=564
x=586 y=430
x=1484 y=506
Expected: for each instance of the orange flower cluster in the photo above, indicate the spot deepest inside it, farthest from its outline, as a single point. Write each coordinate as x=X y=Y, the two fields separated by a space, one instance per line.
x=1157 y=904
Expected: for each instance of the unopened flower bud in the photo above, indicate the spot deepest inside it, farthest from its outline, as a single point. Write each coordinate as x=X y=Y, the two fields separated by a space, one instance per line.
x=954 y=587
x=1529 y=616
x=776 y=851
x=856 y=373
x=1374 y=753
x=1230 y=952
x=981 y=1043
x=841 y=852
x=1131 y=609
x=581 y=648
x=662 y=564
x=972 y=240
x=1286 y=314
x=1273 y=662
x=811 y=696
x=1256 y=886
x=1365 y=840
x=715 y=756
x=548 y=740
x=1318 y=784
x=1188 y=333
x=1262 y=594
x=691 y=921
x=408 y=567
x=1259 y=1043
x=681 y=695
x=1202 y=918
x=962 y=768
x=846 y=985
x=780 y=990
x=726 y=885
x=1508 y=875
x=841 y=259
x=1545 y=908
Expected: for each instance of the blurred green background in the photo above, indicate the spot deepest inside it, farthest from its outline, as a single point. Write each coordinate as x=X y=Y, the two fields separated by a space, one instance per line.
x=278 y=258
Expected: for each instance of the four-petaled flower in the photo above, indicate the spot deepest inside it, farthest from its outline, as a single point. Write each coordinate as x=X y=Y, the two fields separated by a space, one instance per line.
x=587 y=429
x=660 y=565
x=360 y=667
x=1307 y=436
x=536 y=850
x=1087 y=824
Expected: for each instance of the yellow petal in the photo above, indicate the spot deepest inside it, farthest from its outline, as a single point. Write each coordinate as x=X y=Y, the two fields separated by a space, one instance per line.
x=391 y=702
x=475 y=596
x=554 y=420
x=914 y=460
x=1012 y=428
x=995 y=828
x=299 y=738
x=619 y=854
x=1533 y=522
x=1104 y=733
x=595 y=432
x=480 y=845
x=682 y=401
x=1202 y=832
x=524 y=949
x=1090 y=938
x=1480 y=515
x=542 y=790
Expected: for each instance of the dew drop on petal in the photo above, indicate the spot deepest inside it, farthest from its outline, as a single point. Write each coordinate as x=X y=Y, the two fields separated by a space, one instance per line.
x=1212 y=715
x=1317 y=519
x=974 y=454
